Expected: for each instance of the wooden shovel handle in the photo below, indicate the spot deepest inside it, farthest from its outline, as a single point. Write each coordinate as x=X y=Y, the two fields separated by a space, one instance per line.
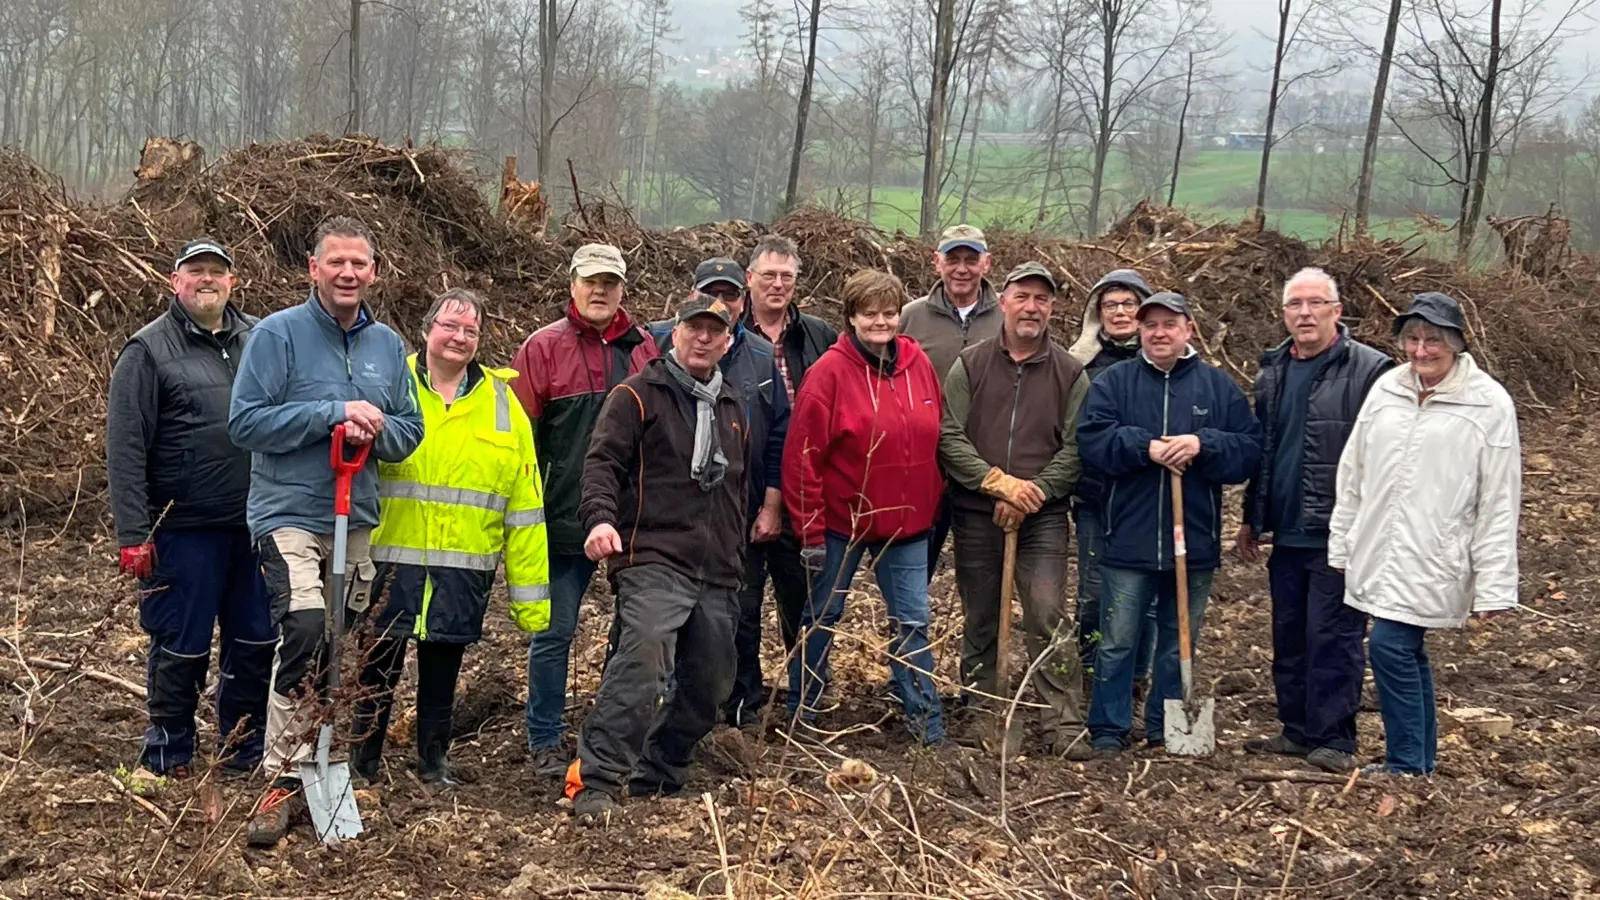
x=1008 y=573
x=1180 y=553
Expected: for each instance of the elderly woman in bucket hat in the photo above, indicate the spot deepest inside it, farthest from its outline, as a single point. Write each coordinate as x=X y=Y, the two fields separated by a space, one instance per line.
x=1425 y=525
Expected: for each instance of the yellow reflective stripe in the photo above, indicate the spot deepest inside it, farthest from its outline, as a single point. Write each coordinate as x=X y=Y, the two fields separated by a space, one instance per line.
x=502 y=406
x=448 y=559
x=433 y=493
x=523 y=518
x=421 y=629
x=529 y=593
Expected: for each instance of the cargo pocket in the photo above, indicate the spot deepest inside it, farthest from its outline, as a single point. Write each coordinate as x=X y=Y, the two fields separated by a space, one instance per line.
x=358 y=592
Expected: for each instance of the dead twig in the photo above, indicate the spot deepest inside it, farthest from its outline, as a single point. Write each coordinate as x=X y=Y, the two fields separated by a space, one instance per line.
x=139 y=801
x=56 y=665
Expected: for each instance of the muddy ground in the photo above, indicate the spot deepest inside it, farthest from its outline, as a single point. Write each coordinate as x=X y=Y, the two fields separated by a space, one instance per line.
x=1514 y=815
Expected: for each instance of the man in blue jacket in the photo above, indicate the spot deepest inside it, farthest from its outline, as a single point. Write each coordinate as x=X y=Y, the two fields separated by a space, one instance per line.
x=305 y=370
x=751 y=367
x=1164 y=411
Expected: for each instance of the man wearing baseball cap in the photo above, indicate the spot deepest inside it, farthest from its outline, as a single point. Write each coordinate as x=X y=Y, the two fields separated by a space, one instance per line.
x=961 y=310
x=1009 y=444
x=1165 y=413
x=564 y=372
x=665 y=501
x=750 y=365
x=178 y=489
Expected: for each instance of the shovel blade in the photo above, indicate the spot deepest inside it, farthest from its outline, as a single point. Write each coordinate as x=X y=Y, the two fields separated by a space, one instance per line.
x=1190 y=729
x=332 y=801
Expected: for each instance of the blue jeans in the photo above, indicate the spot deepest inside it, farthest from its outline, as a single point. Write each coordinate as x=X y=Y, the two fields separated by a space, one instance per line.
x=1091 y=544
x=1127 y=598
x=549 y=651
x=1404 y=679
x=903 y=578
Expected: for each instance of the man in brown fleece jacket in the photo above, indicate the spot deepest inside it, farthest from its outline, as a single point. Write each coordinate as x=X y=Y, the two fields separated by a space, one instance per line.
x=1009 y=444
x=664 y=501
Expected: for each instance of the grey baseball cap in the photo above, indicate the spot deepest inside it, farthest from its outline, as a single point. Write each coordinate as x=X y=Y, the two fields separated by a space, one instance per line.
x=962 y=236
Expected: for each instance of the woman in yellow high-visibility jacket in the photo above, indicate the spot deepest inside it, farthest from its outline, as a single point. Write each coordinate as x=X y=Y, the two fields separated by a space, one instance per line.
x=469 y=495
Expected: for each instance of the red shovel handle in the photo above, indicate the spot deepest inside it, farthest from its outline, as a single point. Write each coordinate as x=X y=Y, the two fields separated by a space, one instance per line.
x=344 y=470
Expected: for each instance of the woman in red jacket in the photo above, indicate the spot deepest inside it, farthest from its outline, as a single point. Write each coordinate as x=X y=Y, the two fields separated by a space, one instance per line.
x=860 y=475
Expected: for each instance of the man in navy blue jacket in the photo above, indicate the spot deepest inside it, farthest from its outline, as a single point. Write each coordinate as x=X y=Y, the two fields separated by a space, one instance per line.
x=1163 y=411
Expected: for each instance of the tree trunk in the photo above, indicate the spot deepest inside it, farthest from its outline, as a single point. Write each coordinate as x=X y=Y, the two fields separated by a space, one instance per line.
x=938 y=115
x=355 y=66
x=1183 y=114
x=1369 y=148
x=1468 y=227
x=1272 y=111
x=1102 y=137
x=804 y=108
x=872 y=148
x=547 y=84
x=977 y=123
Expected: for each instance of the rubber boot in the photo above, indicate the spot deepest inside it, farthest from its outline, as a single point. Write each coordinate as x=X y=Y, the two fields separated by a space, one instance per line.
x=371 y=727
x=433 y=746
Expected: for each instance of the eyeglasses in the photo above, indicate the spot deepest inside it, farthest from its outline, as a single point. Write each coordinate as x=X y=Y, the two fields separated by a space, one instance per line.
x=466 y=331
x=723 y=293
x=1120 y=306
x=1312 y=305
x=776 y=277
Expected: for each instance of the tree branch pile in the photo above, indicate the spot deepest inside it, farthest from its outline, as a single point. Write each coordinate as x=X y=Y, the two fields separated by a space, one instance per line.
x=76 y=278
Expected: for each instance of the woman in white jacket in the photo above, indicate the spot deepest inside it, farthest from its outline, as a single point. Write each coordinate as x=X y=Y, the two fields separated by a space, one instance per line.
x=1425 y=526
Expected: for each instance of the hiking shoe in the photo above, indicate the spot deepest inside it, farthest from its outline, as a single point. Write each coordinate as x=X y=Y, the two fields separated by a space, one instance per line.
x=550 y=762
x=1330 y=760
x=1108 y=750
x=275 y=813
x=1075 y=746
x=593 y=804
x=1277 y=744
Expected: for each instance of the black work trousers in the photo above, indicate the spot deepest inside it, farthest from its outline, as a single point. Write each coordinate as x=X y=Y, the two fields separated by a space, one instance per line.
x=672 y=628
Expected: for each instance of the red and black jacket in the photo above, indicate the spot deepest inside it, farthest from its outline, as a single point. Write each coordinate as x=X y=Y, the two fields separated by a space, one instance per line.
x=565 y=371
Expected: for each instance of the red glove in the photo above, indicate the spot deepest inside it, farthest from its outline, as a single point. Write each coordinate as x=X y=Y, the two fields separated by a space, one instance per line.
x=139 y=561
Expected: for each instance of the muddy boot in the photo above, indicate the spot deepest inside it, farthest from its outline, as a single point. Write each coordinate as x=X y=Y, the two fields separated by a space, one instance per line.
x=275 y=813
x=371 y=727
x=433 y=745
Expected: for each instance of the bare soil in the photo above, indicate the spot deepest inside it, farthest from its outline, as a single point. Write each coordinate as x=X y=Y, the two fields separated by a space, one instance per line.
x=1515 y=815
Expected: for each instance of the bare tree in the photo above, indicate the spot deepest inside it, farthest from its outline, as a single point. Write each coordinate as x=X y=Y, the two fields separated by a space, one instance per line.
x=1183 y=117
x=944 y=59
x=1129 y=54
x=1369 y=146
x=803 y=108
x=1290 y=39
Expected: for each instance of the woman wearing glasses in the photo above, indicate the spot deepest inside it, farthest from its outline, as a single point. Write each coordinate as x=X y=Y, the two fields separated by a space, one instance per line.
x=1425 y=528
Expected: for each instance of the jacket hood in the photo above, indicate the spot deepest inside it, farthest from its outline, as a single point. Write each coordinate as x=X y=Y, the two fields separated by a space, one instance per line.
x=907 y=351
x=1088 y=344
x=620 y=325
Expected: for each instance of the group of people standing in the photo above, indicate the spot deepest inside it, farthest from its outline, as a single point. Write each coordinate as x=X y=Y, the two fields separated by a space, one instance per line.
x=743 y=441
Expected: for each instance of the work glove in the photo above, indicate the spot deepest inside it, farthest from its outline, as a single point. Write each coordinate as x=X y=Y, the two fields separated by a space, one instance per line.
x=1021 y=493
x=138 y=561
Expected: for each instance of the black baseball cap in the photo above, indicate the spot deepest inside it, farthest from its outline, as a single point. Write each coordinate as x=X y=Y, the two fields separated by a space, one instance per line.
x=1440 y=310
x=201 y=247
x=717 y=269
x=1165 y=300
x=700 y=304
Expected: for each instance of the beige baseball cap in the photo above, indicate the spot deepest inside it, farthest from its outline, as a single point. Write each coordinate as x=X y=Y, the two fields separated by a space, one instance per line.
x=962 y=236
x=593 y=259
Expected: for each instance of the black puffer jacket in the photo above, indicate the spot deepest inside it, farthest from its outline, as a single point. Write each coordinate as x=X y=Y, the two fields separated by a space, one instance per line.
x=1336 y=398
x=167 y=427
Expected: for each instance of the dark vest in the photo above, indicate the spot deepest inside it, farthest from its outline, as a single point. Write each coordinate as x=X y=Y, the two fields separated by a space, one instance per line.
x=1018 y=410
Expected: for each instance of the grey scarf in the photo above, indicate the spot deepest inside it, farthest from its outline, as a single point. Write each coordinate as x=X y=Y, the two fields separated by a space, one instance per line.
x=709 y=465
